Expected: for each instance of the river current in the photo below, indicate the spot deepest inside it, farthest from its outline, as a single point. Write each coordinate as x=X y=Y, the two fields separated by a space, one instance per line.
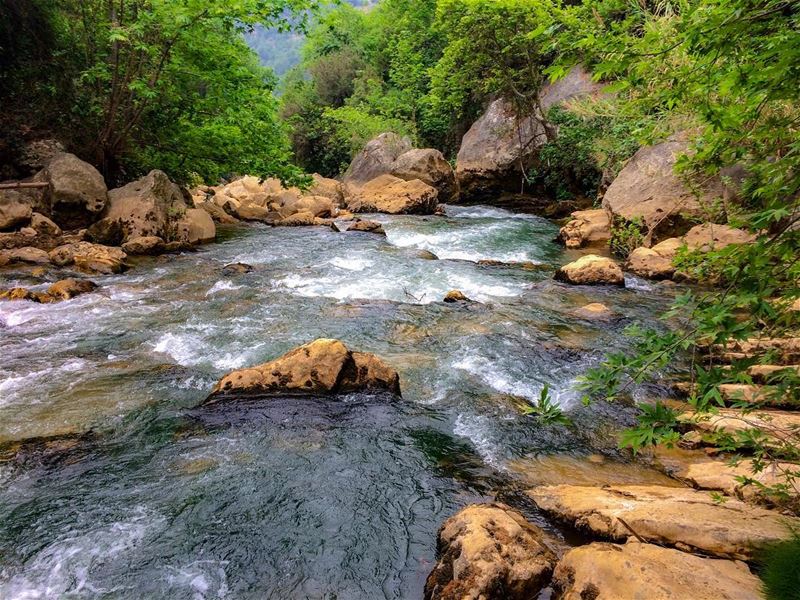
x=288 y=497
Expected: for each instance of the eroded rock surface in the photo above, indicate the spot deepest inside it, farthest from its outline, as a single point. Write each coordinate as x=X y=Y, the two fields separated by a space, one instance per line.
x=636 y=571
x=586 y=227
x=430 y=167
x=392 y=195
x=146 y=207
x=591 y=270
x=489 y=552
x=376 y=158
x=90 y=258
x=324 y=366
x=680 y=517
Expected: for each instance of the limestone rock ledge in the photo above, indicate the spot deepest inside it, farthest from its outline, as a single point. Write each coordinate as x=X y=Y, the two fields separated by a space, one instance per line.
x=324 y=366
x=604 y=571
x=684 y=518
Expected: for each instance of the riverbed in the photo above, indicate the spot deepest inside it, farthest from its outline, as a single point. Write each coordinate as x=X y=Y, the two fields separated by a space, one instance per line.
x=291 y=497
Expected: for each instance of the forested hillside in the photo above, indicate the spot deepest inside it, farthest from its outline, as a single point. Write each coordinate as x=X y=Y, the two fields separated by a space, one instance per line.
x=138 y=85
x=280 y=50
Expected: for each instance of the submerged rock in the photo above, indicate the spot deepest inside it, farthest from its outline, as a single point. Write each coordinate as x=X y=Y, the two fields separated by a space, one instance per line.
x=594 y=311
x=591 y=270
x=680 y=517
x=634 y=571
x=236 y=269
x=489 y=552
x=324 y=366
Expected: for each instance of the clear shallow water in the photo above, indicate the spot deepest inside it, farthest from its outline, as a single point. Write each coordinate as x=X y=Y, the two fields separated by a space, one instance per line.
x=287 y=498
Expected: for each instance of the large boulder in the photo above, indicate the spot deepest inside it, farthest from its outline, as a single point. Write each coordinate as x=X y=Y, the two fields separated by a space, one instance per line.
x=329 y=188
x=76 y=194
x=586 y=227
x=15 y=210
x=195 y=227
x=489 y=552
x=390 y=194
x=376 y=158
x=681 y=517
x=216 y=212
x=649 y=263
x=324 y=366
x=146 y=207
x=500 y=141
x=648 y=190
x=710 y=236
x=591 y=270
x=90 y=258
x=635 y=571
x=429 y=166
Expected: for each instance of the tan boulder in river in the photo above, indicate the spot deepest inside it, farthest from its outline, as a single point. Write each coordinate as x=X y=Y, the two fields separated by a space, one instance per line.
x=324 y=366
x=586 y=227
x=489 y=552
x=591 y=270
x=392 y=195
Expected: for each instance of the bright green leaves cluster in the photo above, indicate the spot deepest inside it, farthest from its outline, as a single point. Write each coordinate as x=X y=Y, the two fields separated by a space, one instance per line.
x=170 y=85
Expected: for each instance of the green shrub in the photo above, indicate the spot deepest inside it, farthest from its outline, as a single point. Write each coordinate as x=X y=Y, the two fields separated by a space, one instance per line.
x=779 y=570
x=626 y=236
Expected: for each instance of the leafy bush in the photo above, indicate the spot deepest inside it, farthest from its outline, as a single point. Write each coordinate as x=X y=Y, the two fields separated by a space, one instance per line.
x=778 y=570
x=626 y=236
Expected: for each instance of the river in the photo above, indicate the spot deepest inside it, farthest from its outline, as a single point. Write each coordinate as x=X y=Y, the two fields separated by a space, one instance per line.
x=295 y=498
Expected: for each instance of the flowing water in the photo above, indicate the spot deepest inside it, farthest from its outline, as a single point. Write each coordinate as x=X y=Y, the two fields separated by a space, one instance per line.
x=288 y=497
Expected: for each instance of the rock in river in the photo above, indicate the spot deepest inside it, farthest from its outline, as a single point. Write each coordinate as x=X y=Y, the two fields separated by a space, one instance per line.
x=236 y=269
x=324 y=366
x=489 y=552
x=636 y=571
x=591 y=270
x=390 y=194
